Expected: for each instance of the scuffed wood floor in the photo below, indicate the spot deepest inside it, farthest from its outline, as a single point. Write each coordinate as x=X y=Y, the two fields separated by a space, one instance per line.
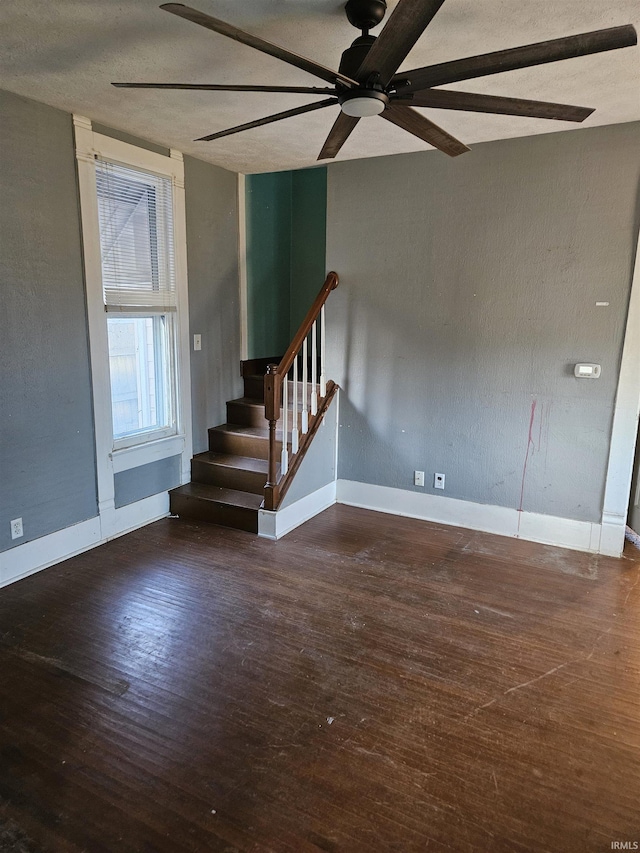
x=369 y=683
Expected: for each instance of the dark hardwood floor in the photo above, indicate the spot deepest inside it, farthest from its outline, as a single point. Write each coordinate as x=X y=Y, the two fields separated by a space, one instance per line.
x=369 y=683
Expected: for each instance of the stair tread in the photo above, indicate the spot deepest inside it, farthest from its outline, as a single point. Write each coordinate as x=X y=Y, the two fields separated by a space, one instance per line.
x=218 y=494
x=253 y=431
x=240 y=429
x=248 y=401
x=231 y=460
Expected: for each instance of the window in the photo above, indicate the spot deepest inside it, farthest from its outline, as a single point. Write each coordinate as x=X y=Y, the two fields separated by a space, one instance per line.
x=132 y=206
x=135 y=215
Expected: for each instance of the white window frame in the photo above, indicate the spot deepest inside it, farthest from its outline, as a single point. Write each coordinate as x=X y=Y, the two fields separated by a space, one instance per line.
x=112 y=457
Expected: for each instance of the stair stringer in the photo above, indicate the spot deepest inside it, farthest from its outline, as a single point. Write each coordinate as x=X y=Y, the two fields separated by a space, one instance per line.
x=313 y=488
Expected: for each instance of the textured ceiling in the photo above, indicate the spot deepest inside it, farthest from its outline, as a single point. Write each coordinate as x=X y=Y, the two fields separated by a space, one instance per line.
x=66 y=53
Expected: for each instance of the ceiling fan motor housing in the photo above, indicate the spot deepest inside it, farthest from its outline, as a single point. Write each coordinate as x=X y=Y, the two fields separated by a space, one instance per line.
x=354 y=56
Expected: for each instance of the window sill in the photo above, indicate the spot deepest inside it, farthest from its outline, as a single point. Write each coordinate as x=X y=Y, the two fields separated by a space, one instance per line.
x=142 y=454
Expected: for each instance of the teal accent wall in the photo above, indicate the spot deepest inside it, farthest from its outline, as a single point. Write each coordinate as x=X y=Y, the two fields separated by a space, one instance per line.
x=268 y=212
x=286 y=216
x=308 y=241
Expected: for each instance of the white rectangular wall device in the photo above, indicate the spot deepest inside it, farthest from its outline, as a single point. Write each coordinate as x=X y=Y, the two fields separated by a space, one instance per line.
x=587 y=371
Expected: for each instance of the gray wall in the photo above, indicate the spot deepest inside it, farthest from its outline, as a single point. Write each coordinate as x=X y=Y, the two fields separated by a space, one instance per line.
x=214 y=311
x=47 y=450
x=47 y=467
x=468 y=291
x=146 y=480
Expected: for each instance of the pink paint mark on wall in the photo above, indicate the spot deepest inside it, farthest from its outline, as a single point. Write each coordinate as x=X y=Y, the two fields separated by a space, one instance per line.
x=540 y=420
x=526 y=458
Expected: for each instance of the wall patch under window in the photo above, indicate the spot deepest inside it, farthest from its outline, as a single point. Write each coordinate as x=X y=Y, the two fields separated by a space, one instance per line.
x=602 y=304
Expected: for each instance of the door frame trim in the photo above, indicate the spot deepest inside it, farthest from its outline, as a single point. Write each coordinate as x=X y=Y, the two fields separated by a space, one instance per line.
x=625 y=428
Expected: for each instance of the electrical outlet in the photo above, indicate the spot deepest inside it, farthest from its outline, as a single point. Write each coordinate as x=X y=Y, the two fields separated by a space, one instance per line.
x=197 y=343
x=438 y=481
x=418 y=478
x=16 y=528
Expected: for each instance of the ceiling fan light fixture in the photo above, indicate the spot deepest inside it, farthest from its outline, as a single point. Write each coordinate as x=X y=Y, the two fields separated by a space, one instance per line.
x=361 y=103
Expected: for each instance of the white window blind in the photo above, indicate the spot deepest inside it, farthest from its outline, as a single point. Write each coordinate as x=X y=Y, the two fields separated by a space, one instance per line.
x=136 y=239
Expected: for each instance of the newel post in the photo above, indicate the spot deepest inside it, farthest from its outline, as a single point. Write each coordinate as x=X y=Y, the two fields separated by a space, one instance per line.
x=272 y=386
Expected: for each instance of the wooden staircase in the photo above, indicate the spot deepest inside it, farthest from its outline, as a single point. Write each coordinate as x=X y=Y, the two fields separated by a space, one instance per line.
x=247 y=466
x=227 y=481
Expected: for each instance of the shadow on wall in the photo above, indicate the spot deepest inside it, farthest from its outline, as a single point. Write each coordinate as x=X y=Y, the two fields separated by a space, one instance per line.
x=214 y=296
x=216 y=378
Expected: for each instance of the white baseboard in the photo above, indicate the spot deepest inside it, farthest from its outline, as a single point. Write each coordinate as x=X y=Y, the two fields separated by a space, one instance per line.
x=24 y=560
x=547 y=529
x=606 y=538
x=275 y=525
x=135 y=515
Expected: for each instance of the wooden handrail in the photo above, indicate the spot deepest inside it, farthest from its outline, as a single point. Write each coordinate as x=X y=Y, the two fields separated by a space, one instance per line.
x=275 y=376
x=331 y=282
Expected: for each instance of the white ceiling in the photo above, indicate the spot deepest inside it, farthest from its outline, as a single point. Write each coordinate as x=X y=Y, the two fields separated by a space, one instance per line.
x=66 y=53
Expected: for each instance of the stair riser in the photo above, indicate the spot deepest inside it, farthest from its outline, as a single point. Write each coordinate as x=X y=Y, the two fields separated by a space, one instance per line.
x=258 y=366
x=240 y=445
x=246 y=415
x=228 y=478
x=254 y=388
x=240 y=518
x=243 y=414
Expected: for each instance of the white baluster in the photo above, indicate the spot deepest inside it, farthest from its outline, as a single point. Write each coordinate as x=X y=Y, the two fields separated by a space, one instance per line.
x=284 y=464
x=305 y=412
x=323 y=378
x=294 y=410
x=314 y=370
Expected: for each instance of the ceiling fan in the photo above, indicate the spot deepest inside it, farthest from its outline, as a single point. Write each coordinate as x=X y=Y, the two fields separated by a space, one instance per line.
x=367 y=82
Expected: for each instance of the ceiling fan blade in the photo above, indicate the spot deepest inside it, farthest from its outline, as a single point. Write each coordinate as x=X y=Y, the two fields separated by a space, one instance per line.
x=421 y=127
x=338 y=135
x=406 y=24
x=445 y=99
x=214 y=87
x=307 y=108
x=518 y=57
x=253 y=41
